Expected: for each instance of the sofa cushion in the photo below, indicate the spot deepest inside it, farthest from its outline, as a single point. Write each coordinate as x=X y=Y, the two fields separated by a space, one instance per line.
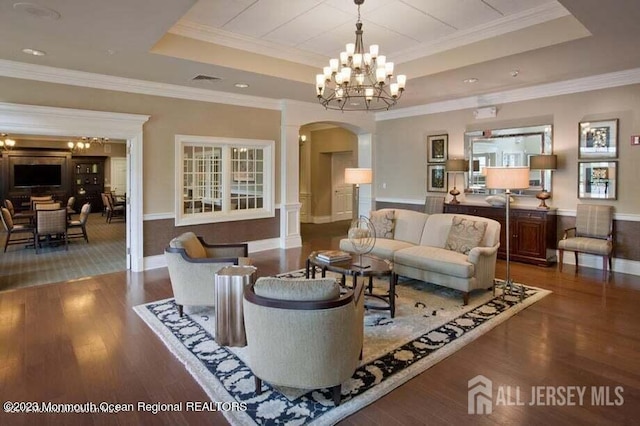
x=297 y=288
x=191 y=244
x=465 y=234
x=408 y=225
x=437 y=260
x=382 y=221
x=384 y=247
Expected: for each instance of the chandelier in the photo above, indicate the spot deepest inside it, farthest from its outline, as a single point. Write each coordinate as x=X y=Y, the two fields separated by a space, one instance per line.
x=85 y=143
x=359 y=81
x=6 y=143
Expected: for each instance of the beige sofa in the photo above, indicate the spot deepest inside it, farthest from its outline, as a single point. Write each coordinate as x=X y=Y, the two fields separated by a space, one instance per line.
x=417 y=249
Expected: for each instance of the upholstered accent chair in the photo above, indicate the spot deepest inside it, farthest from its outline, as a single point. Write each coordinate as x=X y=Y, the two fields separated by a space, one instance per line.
x=15 y=229
x=51 y=223
x=303 y=333
x=433 y=204
x=193 y=264
x=593 y=234
x=80 y=223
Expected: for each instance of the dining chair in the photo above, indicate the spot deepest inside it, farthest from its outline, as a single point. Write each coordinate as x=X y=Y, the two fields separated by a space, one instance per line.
x=111 y=209
x=50 y=224
x=16 y=216
x=81 y=223
x=15 y=229
x=50 y=205
x=39 y=199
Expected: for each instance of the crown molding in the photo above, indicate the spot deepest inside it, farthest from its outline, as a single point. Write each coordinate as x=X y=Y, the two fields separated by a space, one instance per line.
x=567 y=87
x=527 y=18
x=209 y=34
x=49 y=74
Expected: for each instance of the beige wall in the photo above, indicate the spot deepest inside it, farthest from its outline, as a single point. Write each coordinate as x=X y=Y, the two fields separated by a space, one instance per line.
x=168 y=118
x=400 y=145
x=323 y=143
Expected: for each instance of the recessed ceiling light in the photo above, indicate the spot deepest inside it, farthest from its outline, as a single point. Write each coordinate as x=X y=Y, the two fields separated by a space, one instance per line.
x=241 y=85
x=470 y=80
x=354 y=103
x=34 y=52
x=514 y=73
x=37 y=11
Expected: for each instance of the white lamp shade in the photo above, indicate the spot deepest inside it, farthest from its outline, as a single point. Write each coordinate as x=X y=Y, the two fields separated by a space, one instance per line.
x=507 y=177
x=358 y=175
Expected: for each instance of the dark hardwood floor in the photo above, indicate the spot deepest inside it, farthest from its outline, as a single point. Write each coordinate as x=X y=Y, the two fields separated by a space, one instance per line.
x=80 y=341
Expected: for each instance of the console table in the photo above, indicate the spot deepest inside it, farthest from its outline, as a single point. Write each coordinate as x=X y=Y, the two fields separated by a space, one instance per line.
x=533 y=231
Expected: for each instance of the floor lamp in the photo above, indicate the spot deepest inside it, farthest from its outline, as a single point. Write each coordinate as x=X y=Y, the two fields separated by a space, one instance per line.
x=357 y=176
x=508 y=178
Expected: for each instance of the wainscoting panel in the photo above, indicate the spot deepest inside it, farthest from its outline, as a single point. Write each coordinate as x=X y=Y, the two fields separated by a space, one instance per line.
x=158 y=233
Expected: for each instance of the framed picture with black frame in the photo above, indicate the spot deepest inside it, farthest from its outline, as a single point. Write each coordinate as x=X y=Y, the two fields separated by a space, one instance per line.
x=437 y=148
x=436 y=178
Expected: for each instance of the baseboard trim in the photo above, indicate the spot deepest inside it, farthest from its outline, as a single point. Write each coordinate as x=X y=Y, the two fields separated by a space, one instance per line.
x=154 y=262
x=320 y=219
x=159 y=216
x=623 y=266
x=262 y=245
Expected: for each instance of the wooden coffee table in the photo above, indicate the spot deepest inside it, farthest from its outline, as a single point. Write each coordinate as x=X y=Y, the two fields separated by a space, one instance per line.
x=373 y=267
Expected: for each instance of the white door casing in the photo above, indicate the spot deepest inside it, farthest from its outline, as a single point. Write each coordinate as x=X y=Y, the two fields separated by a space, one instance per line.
x=41 y=120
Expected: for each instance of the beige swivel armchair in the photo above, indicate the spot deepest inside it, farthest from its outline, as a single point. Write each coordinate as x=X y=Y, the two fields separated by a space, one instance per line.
x=192 y=265
x=592 y=234
x=303 y=333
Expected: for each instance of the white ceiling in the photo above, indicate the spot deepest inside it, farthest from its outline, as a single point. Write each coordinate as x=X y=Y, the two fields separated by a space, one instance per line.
x=277 y=45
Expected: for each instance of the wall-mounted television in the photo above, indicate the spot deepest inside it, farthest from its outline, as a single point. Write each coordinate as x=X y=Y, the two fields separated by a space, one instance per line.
x=27 y=175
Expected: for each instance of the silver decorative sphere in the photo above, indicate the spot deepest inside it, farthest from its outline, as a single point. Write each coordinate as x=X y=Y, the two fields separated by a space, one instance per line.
x=362 y=235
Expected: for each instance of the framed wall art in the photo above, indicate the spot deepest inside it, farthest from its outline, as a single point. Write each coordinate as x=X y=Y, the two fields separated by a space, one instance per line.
x=436 y=178
x=598 y=139
x=598 y=179
x=437 y=148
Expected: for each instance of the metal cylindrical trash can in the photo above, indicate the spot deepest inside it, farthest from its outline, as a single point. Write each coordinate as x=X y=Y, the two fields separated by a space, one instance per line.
x=229 y=288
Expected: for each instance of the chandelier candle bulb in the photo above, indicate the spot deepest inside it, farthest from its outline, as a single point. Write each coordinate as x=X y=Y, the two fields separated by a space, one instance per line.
x=346 y=73
x=344 y=58
x=351 y=48
x=320 y=79
x=333 y=64
x=367 y=59
x=381 y=61
x=373 y=49
x=389 y=69
x=402 y=80
x=326 y=72
x=357 y=60
x=360 y=79
x=381 y=75
x=394 y=89
x=369 y=93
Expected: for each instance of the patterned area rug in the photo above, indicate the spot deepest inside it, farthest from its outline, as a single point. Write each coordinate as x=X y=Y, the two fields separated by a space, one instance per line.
x=430 y=324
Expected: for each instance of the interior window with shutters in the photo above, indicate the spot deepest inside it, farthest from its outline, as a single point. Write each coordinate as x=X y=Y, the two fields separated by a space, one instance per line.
x=223 y=179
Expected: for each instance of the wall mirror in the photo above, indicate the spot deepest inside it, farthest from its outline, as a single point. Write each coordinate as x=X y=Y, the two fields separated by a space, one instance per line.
x=508 y=147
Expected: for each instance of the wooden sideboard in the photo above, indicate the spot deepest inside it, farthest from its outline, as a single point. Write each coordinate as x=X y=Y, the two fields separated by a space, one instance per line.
x=533 y=231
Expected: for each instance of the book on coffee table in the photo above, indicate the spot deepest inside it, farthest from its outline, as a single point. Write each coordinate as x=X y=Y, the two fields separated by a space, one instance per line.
x=333 y=255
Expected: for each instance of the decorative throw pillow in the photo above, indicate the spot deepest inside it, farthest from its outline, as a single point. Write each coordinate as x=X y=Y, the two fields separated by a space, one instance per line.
x=382 y=222
x=465 y=234
x=297 y=288
x=191 y=244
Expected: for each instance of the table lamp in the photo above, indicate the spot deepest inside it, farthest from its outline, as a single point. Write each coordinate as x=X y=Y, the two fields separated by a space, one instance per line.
x=508 y=178
x=543 y=162
x=455 y=167
x=357 y=176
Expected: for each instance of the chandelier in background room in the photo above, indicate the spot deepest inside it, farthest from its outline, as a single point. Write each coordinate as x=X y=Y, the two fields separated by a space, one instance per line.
x=85 y=143
x=359 y=81
x=5 y=143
